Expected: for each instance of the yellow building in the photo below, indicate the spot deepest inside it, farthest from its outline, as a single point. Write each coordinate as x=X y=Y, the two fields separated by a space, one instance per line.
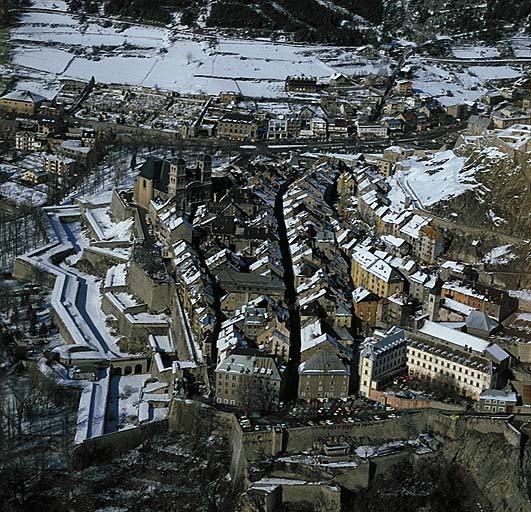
x=238 y=127
x=375 y=274
x=21 y=102
x=35 y=177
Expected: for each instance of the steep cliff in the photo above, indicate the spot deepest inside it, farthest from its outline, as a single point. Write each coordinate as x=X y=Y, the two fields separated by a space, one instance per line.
x=500 y=470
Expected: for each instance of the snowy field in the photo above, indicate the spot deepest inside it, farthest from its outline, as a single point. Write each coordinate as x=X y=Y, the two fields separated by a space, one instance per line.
x=475 y=52
x=429 y=181
x=22 y=195
x=55 y=43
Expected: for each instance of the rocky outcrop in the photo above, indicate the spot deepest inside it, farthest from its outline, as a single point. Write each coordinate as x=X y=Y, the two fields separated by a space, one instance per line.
x=501 y=471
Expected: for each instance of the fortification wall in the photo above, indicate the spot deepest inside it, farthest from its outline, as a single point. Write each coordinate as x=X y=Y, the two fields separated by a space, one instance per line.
x=155 y=294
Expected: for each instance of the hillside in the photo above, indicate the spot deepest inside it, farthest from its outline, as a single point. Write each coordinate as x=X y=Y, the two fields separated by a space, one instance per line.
x=344 y=22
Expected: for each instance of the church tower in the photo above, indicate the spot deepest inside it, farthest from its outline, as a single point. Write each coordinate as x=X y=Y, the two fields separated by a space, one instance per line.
x=204 y=164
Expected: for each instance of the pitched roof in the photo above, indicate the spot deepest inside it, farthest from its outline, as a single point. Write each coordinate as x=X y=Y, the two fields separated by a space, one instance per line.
x=26 y=96
x=324 y=362
x=480 y=321
x=158 y=171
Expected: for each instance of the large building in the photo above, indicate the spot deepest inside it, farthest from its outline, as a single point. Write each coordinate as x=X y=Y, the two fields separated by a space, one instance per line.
x=301 y=84
x=324 y=375
x=172 y=179
x=381 y=360
x=238 y=127
x=240 y=288
x=21 y=102
x=248 y=379
x=466 y=363
x=60 y=165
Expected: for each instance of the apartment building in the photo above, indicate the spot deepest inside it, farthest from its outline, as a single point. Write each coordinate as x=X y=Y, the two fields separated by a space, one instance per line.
x=371 y=272
x=426 y=242
x=371 y=131
x=248 y=379
x=238 y=127
x=381 y=360
x=324 y=375
x=365 y=307
x=492 y=301
x=60 y=165
x=301 y=84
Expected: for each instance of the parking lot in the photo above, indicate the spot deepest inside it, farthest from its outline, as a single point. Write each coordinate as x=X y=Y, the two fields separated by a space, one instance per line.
x=321 y=412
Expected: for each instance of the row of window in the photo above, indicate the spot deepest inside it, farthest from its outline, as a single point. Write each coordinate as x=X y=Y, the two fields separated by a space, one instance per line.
x=443 y=362
x=493 y=408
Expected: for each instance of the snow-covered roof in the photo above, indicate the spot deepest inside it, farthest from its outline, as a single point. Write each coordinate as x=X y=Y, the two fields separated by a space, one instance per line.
x=498 y=394
x=453 y=336
x=24 y=95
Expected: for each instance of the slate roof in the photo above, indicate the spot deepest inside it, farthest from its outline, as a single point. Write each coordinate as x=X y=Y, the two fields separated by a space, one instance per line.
x=158 y=171
x=324 y=362
x=26 y=96
x=481 y=322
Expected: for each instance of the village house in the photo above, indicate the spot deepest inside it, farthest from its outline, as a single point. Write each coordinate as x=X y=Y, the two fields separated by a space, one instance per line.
x=29 y=141
x=403 y=87
x=35 y=177
x=365 y=307
x=496 y=401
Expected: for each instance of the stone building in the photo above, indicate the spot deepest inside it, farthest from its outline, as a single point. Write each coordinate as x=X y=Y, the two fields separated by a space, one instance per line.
x=492 y=301
x=248 y=379
x=375 y=274
x=172 y=179
x=324 y=375
x=456 y=359
x=301 y=84
x=381 y=360
x=495 y=401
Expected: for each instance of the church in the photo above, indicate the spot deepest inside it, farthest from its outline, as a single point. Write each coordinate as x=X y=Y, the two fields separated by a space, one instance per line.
x=171 y=179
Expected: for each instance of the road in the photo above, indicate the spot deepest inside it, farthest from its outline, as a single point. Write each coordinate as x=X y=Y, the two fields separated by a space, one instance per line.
x=430 y=139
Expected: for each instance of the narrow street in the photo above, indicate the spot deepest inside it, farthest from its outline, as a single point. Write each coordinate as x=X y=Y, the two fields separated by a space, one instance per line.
x=290 y=391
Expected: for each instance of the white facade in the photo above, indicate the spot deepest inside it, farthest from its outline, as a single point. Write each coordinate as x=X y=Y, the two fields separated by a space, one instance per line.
x=381 y=360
